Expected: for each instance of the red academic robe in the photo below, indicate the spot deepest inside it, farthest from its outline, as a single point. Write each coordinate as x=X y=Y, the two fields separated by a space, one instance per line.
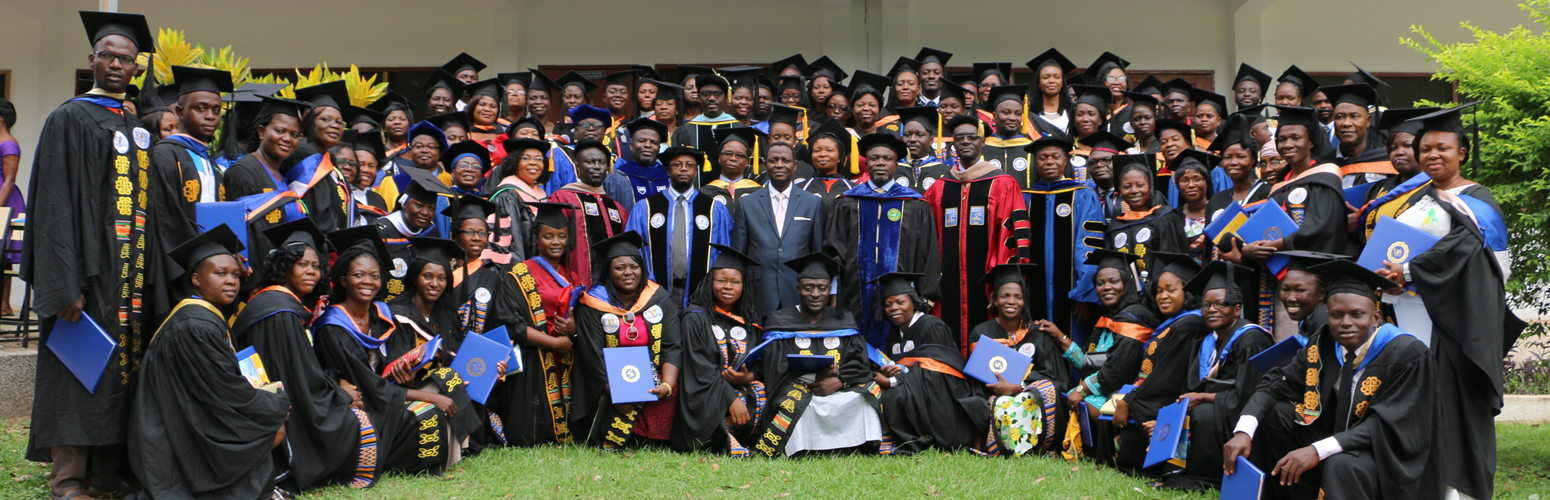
x=596 y=218
x=982 y=222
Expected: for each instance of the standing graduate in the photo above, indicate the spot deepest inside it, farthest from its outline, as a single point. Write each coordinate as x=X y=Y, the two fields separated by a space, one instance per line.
x=983 y=223
x=880 y=227
x=276 y=128
x=180 y=164
x=199 y=428
x=832 y=409
x=483 y=117
x=1067 y=225
x=1146 y=226
x=1310 y=192
x=1004 y=147
x=85 y=247
x=734 y=166
x=1108 y=71
x=1401 y=133
x=594 y=215
x=721 y=402
x=1362 y=157
x=324 y=439
x=1239 y=154
x=678 y=225
x=1032 y=406
x=1052 y=109
x=829 y=151
x=533 y=405
x=933 y=405
x=1112 y=357
x=1165 y=370
x=922 y=134
x=315 y=176
x=1222 y=372
x=540 y=99
x=641 y=174
x=398 y=116
x=1351 y=415
x=1249 y=86
x=624 y=308
x=697 y=132
x=473 y=286
x=351 y=339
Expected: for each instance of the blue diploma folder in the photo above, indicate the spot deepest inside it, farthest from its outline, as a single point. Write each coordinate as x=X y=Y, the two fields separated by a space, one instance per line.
x=84 y=348
x=1113 y=400
x=630 y=374
x=232 y=213
x=1278 y=355
x=1170 y=436
x=1357 y=195
x=1244 y=484
x=1394 y=241
x=990 y=358
x=877 y=357
x=1224 y=222
x=1269 y=223
x=808 y=364
x=476 y=362
x=499 y=335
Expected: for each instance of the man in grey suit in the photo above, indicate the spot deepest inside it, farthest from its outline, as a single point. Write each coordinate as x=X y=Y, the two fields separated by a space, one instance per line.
x=777 y=223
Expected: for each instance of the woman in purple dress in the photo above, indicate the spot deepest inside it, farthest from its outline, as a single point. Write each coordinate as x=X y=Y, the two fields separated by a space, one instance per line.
x=10 y=159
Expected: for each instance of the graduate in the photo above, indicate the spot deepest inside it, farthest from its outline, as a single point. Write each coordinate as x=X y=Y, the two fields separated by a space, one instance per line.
x=415 y=217
x=1222 y=374
x=88 y=251
x=1087 y=121
x=1146 y=226
x=540 y=96
x=982 y=223
x=1052 y=109
x=829 y=151
x=1067 y=224
x=398 y=115
x=867 y=92
x=881 y=227
x=823 y=79
x=425 y=311
x=1006 y=139
x=1362 y=156
x=595 y=216
x=591 y=123
x=181 y=166
x=722 y=402
x=473 y=287
x=1144 y=112
x=515 y=85
x=1210 y=110
x=1310 y=192
x=324 y=439
x=315 y=174
x=933 y=77
x=1239 y=153
x=737 y=161
x=276 y=127
x=1301 y=293
x=713 y=93
x=787 y=124
x=1033 y=406
x=522 y=176
x=454 y=125
x=641 y=174
x=1112 y=358
x=1359 y=423
x=679 y=225
x=1295 y=88
x=904 y=91
x=1401 y=132
x=533 y=405
x=1192 y=177
x=1109 y=71
x=483 y=116
x=199 y=428
x=624 y=308
x=933 y=404
x=921 y=134
x=369 y=204
x=833 y=409
x=1249 y=86
x=1165 y=370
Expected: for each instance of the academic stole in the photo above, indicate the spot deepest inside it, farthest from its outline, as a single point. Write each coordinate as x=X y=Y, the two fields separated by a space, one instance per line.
x=619 y=429
x=791 y=398
x=966 y=232
x=557 y=367
x=192 y=186
x=1394 y=202
x=754 y=396
x=661 y=241
x=878 y=249
x=1151 y=344
x=130 y=182
x=472 y=313
x=1136 y=220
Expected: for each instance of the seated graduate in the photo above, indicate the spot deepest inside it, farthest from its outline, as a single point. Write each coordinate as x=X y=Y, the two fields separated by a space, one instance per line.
x=1165 y=370
x=624 y=309
x=533 y=405
x=199 y=429
x=1359 y=427
x=1113 y=356
x=1032 y=406
x=413 y=426
x=1223 y=375
x=1301 y=292
x=721 y=402
x=835 y=409
x=415 y=217
x=424 y=312
x=325 y=442
x=474 y=287
x=933 y=404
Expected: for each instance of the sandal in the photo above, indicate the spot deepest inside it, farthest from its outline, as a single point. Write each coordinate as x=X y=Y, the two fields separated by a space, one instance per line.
x=73 y=492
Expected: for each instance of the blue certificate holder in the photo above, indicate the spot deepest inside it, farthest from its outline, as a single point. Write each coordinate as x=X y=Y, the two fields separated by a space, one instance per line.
x=500 y=336
x=1357 y=195
x=630 y=374
x=1170 y=436
x=232 y=213
x=991 y=358
x=476 y=362
x=1394 y=241
x=1228 y=221
x=1244 y=484
x=1278 y=355
x=1267 y=224
x=84 y=347
x=808 y=364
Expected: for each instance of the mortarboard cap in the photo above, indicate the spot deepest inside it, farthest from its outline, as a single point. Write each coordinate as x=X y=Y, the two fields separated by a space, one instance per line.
x=1189 y=156
x=1008 y=273
x=872 y=141
x=1345 y=276
x=1051 y=57
x=1307 y=117
x=669 y=154
x=1057 y=139
x=1183 y=128
x=1007 y=93
x=1444 y=120
x=951 y=91
x=131 y=26
x=1236 y=130
x=1111 y=259
x=218 y=241
x=964 y=119
x=627 y=243
x=1102 y=65
x=639 y=124
x=522 y=77
x=1246 y=72
x=371 y=141
x=201 y=80
x=829 y=128
x=541 y=82
x=492 y=87
x=1177 y=85
x=711 y=79
x=1201 y=96
x=283 y=106
x=1219 y=275
x=925 y=115
x=332 y=94
x=1145 y=162
x=904 y=64
x=1177 y=264
x=816 y=265
x=1150 y=85
x=780 y=113
x=424 y=187
x=1102 y=140
x=445 y=121
x=1360 y=94
x=866 y=82
x=826 y=68
x=1302 y=260
x=390 y=102
x=303 y=231
x=1095 y=96
x=794 y=61
x=365 y=237
x=468 y=206
x=1362 y=76
x=552 y=214
x=254 y=92
x=515 y=146
x=1305 y=82
x=746 y=135
x=930 y=55
x=730 y=258
x=1143 y=99
x=896 y=283
x=439 y=251
x=573 y=78
x=463 y=62
x=1399 y=120
x=440 y=78
x=1001 y=69
x=357 y=114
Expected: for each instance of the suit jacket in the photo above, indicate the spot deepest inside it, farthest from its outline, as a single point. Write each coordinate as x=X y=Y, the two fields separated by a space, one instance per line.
x=774 y=285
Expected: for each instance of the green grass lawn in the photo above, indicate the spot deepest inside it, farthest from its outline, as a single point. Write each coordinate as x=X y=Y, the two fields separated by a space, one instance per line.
x=575 y=472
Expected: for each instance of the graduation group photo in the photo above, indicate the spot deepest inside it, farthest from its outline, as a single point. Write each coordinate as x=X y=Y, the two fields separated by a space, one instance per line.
x=1068 y=275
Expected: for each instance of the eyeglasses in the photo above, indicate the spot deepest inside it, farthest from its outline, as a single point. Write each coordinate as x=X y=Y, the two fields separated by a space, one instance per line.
x=965 y=137
x=122 y=59
x=420 y=146
x=733 y=154
x=712 y=93
x=474 y=234
x=329 y=122
x=347 y=163
x=1107 y=160
x=588 y=126
x=1209 y=305
x=1114 y=79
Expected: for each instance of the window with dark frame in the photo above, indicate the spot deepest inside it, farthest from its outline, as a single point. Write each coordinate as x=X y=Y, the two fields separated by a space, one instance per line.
x=1404 y=89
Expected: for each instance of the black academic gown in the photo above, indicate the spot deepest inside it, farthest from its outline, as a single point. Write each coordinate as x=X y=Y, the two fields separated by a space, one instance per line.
x=1255 y=310
x=714 y=341
x=790 y=395
x=1159 y=230
x=414 y=330
x=174 y=170
x=1117 y=365
x=1047 y=361
x=1384 y=427
x=1211 y=424
x=199 y=429
x=412 y=436
x=1165 y=374
x=88 y=180
x=827 y=187
x=879 y=233
x=248 y=176
x=1317 y=204
x=933 y=404
x=322 y=433
x=593 y=417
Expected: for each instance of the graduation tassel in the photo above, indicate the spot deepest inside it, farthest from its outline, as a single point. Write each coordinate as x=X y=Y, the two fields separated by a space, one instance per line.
x=753 y=157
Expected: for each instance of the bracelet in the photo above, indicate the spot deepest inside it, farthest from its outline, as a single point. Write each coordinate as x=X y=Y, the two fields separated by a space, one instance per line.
x=669 y=389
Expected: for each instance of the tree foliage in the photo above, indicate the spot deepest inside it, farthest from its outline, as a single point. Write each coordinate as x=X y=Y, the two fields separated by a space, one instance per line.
x=1509 y=75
